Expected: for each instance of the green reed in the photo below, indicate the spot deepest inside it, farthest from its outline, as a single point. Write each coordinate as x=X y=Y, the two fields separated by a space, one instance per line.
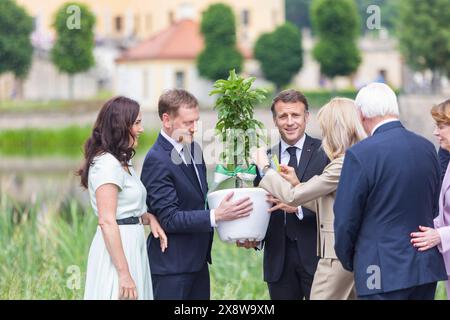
x=44 y=249
x=41 y=251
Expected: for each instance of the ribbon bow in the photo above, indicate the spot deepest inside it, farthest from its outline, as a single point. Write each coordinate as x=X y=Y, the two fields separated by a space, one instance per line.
x=222 y=174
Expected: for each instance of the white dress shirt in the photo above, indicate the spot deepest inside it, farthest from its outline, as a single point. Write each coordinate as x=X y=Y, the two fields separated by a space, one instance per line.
x=179 y=148
x=285 y=156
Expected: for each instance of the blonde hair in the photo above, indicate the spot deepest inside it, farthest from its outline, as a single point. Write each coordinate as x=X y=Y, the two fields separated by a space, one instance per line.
x=441 y=112
x=340 y=125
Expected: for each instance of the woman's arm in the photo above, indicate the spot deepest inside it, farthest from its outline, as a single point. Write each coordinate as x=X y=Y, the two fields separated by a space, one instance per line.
x=106 y=196
x=428 y=238
x=157 y=230
x=311 y=190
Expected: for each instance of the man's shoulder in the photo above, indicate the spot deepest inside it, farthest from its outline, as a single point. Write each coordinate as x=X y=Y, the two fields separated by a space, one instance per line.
x=155 y=153
x=316 y=144
x=422 y=140
x=313 y=141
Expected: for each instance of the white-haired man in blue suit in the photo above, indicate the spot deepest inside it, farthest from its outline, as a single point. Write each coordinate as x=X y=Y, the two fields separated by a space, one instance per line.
x=389 y=185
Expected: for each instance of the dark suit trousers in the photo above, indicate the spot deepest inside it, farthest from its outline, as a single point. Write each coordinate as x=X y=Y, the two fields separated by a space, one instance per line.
x=295 y=282
x=183 y=286
x=423 y=292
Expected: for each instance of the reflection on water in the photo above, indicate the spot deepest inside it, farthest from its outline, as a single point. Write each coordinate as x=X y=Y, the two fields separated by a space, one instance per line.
x=48 y=180
x=45 y=179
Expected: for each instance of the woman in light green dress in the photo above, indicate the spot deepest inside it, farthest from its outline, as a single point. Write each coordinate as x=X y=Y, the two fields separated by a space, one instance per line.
x=118 y=266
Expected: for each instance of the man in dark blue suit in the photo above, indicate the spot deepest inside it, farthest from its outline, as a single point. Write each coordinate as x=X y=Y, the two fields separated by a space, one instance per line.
x=174 y=174
x=389 y=185
x=290 y=244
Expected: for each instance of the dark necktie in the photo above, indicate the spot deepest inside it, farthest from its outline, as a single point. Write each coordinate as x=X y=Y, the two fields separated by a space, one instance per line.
x=293 y=157
x=291 y=218
x=190 y=163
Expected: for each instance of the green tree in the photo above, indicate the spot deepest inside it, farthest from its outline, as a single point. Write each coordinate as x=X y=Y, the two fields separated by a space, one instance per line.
x=280 y=54
x=298 y=12
x=388 y=13
x=16 y=50
x=337 y=25
x=424 y=36
x=220 y=54
x=236 y=126
x=72 y=52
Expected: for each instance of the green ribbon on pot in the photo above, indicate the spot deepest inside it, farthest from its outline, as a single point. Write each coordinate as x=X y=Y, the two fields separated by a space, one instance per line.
x=222 y=174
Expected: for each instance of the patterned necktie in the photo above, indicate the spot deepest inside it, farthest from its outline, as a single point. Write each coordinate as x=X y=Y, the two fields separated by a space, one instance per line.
x=291 y=219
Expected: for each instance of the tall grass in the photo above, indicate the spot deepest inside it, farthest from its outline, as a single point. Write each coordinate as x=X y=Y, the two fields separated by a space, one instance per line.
x=38 y=246
x=40 y=249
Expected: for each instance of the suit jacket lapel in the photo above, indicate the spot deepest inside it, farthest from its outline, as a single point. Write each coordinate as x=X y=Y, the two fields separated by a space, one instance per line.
x=307 y=151
x=176 y=158
x=199 y=163
x=192 y=176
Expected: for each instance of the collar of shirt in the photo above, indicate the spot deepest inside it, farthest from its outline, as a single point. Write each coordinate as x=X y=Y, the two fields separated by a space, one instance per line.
x=178 y=146
x=299 y=144
x=285 y=154
x=382 y=123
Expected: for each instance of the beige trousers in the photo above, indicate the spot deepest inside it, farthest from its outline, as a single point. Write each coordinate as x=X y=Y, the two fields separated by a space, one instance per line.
x=332 y=281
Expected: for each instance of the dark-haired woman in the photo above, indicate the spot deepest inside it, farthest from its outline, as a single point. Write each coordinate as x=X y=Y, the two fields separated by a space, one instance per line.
x=118 y=266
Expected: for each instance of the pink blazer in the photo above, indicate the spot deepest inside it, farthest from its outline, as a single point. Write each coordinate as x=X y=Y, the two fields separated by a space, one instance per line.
x=442 y=221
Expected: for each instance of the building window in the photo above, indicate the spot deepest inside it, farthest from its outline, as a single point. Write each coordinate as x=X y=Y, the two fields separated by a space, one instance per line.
x=118 y=23
x=171 y=18
x=245 y=17
x=179 y=80
x=186 y=11
x=275 y=17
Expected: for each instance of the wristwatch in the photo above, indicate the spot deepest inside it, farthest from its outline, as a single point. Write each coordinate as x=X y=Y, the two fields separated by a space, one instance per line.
x=265 y=168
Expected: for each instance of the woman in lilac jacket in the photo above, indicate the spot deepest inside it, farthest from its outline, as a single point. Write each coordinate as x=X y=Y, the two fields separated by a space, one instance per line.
x=439 y=236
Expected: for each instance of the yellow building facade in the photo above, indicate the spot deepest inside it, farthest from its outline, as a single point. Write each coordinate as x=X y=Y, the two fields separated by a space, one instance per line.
x=117 y=19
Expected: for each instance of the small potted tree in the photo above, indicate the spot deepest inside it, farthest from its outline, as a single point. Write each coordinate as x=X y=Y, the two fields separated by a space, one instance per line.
x=238 y=132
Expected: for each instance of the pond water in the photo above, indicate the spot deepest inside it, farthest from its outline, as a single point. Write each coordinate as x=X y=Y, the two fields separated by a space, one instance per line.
x=41 y=179
x=49 y=180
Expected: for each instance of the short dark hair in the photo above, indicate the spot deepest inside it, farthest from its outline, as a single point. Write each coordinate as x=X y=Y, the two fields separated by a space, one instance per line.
x=171 y=100
x=289 y=95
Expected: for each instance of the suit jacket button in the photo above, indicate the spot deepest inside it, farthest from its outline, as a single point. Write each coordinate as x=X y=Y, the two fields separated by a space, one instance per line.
x=321 y=226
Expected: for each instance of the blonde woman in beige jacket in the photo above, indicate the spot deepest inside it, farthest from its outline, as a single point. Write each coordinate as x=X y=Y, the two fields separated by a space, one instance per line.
x=341 y=128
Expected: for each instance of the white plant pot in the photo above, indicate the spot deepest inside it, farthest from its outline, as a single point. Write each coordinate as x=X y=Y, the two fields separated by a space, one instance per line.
x=252 y=227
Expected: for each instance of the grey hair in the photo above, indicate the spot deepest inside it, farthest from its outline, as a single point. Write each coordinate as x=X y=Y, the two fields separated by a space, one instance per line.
x=377 y=99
